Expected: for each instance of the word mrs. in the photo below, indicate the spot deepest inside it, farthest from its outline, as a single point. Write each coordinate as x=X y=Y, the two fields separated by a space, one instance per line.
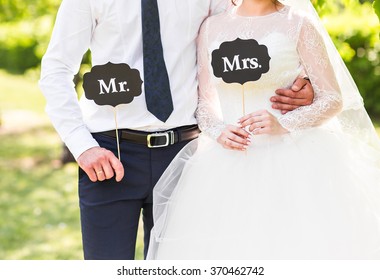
x=240 y=64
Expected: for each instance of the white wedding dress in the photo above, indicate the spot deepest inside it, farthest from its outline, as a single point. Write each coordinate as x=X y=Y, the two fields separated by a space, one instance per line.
x=313 y=193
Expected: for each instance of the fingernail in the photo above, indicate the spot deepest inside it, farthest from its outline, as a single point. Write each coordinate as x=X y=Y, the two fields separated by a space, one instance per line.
x=296 y=88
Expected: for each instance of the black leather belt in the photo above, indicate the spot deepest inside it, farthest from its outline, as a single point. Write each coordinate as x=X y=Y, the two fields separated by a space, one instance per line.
x=157 y=139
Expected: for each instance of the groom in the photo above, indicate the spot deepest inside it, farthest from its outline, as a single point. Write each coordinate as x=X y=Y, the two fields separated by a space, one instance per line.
x=158 y=38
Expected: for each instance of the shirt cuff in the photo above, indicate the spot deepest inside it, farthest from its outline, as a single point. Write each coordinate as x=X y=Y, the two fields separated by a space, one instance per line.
x=80 y=141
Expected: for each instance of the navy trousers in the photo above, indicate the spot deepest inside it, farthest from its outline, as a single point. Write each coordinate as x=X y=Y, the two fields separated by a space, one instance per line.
x=110 y=210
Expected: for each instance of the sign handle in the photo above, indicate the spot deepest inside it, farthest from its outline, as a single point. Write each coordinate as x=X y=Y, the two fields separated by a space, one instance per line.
x=117 y=135
x=243 y=97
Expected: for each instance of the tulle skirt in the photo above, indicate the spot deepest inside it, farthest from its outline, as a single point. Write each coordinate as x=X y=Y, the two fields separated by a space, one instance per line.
x=310 y=195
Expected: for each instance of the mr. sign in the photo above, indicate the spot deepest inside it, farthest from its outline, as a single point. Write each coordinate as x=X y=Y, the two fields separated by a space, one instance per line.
x=112 y=84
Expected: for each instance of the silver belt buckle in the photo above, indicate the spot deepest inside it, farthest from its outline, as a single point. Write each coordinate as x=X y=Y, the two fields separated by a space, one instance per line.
x=169 y=139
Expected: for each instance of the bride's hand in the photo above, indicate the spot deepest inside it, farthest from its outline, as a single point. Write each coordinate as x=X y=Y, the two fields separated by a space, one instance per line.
x=234 y=138
x=262 y=122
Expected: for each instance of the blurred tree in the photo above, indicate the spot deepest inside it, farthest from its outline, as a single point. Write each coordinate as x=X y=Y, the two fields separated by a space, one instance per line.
x=358 y=43
x=326 y=6
x=25 y=26
x=376 y=6
x=16 y=10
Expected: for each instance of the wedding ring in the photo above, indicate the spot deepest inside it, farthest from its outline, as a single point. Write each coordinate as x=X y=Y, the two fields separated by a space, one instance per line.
x=100 y=171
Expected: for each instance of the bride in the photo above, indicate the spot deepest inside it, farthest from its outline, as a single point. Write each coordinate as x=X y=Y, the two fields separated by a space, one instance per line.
x=261 y=185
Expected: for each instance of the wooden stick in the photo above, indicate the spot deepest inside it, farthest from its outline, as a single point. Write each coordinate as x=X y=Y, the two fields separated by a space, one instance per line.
x=243 y=94
x=117 y=135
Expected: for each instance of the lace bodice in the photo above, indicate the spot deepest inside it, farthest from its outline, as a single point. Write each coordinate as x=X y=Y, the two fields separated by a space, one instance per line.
x=294 y=46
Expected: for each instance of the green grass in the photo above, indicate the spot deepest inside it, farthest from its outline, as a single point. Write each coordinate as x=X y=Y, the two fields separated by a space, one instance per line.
x=38 y=202
x=39 y=212
x=20 y=92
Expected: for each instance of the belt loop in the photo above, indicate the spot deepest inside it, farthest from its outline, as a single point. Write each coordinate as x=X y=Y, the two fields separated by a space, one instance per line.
x=171 y=136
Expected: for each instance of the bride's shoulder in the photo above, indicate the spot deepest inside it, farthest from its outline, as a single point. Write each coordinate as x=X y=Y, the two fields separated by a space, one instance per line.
x=216 y=19
x=298 y=15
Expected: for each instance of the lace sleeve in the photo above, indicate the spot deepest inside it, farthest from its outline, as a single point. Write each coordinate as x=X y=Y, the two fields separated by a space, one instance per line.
x=327 y=97
x=208 y=112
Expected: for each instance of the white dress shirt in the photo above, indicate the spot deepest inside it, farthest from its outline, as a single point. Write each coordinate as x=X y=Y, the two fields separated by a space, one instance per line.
x=111 y=29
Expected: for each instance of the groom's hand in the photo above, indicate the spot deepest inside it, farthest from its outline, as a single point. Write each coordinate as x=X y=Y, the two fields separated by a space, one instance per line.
x=101 y=164
x=300 y=94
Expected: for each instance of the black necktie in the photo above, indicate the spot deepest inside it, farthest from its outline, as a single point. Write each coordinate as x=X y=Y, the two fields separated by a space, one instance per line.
x=156 y=81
